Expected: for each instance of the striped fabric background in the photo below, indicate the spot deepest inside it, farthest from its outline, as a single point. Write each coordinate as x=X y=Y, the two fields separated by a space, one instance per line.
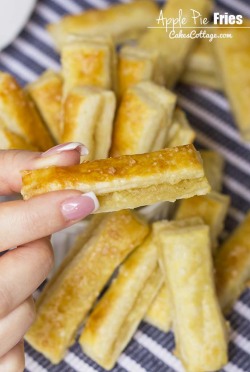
x=209 y=113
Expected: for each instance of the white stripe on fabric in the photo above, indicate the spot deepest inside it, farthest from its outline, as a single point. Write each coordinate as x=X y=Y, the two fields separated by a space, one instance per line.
x=40 y=33
x=129 y=364
x=35 y=54
x=230 y=156
x=32 y=365
x=48 y=14
x=230 y=367
x=101 y=4
x=214 y=97
x=69 y=6
x=237 y=187
x=243 y=310
x=17 y=67
x=240 y=341
x=239 y=6
x=78 y=364
x=236 y=214
x=213 y=120
x=163 y=354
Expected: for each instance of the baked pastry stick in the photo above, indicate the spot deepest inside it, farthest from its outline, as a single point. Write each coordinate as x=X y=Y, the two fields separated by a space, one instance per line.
x=143 y=119
x=180 y=132
x=46 y=92
x=66 y=303
x=18 y=114
x=174 y=52
x=213 y=164
x=199 y=326
x=12 y=141
x=233 y=60
x=127 y=181
x=117 y=315
x=88 y=61
x=201 y=67
x=123 y=21
x=212 y=208
x=159 y=312
x=136 y=64
x=88 y=114
x=232 y=265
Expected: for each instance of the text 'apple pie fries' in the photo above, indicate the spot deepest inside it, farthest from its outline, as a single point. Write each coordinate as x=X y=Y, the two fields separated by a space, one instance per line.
x=121 y=21
x=74 y=289
x=18 y=114
x=174 y=52
x=127 y=181
x=46 y=92
x=143 y=119
x=199 y=327
x=117 y=315
x=88 y=61
x=232 y=265
x=88 y=114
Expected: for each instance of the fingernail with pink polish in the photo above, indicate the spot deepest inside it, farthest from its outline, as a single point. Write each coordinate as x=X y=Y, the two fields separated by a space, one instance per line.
x=79 y=206
x=68 y=146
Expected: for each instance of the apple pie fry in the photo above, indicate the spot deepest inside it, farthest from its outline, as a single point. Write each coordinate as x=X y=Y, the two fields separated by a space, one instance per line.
x=233 y=59
x=136 y=64
x=143 y=119
x=127 y=181
x=117 y=315
x=88 y=114
x=88 y=61
x=212 y=208
x=180 y=132
x=199 y=326
x=232 y=265
x=74 y=290
x=213 y=164
x=12 y=141
x=174 y=52
x=122 y=21
x=18 y=114
x=46 y=92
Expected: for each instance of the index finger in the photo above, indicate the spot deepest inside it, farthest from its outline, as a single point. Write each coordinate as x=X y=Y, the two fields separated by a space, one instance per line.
x=12 y=162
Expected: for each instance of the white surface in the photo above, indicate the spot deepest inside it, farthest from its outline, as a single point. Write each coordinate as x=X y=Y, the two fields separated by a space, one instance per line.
x=13 y=16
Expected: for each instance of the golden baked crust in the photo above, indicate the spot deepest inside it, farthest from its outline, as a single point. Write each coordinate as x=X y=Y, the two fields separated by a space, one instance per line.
x=18 y=114
x=88 y=61
x=12 y=141
x=201 y=78
x=159 y=312
x=233 y=59
x=120 y=21
x=174 y=52
x=135 y=65
x=143 y=119
x=213 y=164
x=127 y=181
x=232 y=265
x=180 y=132
x=212 y=208
x=88 y=114
x=46 y=92
x=199 y=327
x=66 y=303
x=117 y=315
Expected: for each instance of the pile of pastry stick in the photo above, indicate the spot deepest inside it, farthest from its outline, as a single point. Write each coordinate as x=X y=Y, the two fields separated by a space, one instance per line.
x=173 y=274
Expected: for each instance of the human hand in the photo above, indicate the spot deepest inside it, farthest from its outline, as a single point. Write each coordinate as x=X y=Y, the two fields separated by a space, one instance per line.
x=27 y=225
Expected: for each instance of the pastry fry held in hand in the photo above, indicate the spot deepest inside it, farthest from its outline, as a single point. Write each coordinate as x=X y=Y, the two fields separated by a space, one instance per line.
x=127 y=181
